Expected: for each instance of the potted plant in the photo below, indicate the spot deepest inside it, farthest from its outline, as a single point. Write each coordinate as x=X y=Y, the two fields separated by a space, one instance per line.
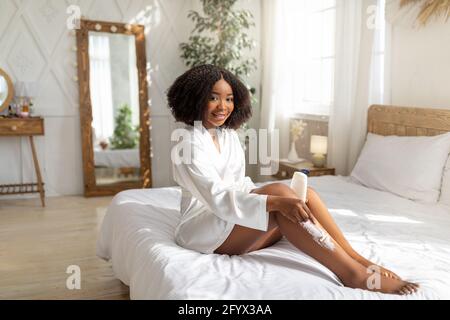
x=125 y=135
x=220 y=38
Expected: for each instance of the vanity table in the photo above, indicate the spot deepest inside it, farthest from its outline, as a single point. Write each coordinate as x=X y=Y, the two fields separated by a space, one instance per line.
x=20 y=127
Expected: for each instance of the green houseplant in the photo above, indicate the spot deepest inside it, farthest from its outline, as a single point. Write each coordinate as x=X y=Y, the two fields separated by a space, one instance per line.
x=219 y=38
x=125 y=136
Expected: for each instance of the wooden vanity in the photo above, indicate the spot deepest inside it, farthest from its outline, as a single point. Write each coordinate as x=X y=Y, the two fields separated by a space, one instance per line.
x=20 y=127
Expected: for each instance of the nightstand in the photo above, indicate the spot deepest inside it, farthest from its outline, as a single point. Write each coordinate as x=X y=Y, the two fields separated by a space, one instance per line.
x=286 y=170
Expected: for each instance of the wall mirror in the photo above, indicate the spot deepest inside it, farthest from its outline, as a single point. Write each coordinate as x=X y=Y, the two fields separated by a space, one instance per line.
x=6 y=90
x=114 y=110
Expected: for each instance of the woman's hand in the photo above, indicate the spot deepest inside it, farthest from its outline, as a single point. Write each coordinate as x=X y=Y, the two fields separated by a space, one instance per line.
x=292 y=208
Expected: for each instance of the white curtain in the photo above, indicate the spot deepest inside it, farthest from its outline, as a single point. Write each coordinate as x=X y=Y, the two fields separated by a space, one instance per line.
x=358 y=80
x=101 y=87
x=134 y=81
x=278 y=54
x=358 y=73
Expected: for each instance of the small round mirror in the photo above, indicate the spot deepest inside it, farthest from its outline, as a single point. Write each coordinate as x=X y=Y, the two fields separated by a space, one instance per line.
x=6 y=90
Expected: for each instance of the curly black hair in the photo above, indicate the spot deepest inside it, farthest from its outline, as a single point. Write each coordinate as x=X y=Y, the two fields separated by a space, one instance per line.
x=189 y=95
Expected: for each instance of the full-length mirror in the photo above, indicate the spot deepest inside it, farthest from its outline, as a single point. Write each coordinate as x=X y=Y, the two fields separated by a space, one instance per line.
x=114 y=110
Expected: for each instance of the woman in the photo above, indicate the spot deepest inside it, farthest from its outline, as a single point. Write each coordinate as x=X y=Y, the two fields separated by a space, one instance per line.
x=222 y=210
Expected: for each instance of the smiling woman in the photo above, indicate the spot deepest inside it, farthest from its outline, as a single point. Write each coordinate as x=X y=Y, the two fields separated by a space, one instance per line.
x=222 y=210
x=212 y=102
x=220 y=106
x=218 y=89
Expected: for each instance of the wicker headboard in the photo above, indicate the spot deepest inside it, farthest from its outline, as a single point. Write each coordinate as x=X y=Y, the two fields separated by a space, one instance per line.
x=406 y=121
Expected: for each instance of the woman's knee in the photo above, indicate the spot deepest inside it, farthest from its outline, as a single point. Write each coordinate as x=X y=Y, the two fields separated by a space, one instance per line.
x=310 y=193
x=276 y=189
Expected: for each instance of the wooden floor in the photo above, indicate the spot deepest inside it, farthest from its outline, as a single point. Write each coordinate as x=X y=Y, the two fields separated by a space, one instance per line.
x=37 y=245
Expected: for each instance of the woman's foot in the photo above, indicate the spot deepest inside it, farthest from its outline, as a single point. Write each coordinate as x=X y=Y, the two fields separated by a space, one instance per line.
x=393 y=286
x=380 y=283
x=377 y=268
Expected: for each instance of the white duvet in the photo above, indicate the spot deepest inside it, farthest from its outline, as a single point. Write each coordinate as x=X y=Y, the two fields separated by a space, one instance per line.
x=410 y=238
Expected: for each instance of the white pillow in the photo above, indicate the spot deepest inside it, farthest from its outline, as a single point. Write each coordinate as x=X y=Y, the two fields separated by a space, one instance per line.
x=445 y=190
x=410 y=167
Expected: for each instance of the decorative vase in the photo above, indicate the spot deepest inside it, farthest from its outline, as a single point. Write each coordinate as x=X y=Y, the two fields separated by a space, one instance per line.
x=293 y=156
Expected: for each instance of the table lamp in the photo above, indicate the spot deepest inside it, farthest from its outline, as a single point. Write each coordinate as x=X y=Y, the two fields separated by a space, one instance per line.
x=319 y=148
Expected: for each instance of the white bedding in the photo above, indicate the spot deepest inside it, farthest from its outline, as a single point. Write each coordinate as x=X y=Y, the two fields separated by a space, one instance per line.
x=123 y=158
x=410 y=238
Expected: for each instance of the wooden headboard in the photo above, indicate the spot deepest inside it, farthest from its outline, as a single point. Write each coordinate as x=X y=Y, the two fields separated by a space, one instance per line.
x=406 y=121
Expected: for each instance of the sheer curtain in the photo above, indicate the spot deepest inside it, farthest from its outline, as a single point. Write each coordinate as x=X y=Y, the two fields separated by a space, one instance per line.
x=134 y=81
x=275 y=55
x=284 y=67
x=359 y=55
x=101 y=87
x=359 y=79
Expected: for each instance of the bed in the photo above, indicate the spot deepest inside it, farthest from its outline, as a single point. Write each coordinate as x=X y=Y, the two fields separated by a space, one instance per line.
x=123 y=158
x=410 y=238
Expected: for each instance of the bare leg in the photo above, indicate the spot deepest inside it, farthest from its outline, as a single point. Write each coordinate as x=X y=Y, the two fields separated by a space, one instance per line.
x=351 y=272
x=244 y=240
x=322 y=214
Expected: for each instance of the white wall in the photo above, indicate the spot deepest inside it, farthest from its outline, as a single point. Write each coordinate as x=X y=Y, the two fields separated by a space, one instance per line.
x=35 y=45
x=420 y=64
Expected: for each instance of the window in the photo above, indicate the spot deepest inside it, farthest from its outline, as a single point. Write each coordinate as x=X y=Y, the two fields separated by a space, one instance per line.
x=316 y=62
x=377 y=81
x=305 y=56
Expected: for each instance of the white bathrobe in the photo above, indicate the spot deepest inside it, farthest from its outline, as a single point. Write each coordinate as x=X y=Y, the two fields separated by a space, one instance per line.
x=215 y=191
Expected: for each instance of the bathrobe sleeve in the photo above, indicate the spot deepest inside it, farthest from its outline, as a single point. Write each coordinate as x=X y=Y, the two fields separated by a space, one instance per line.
x=224 y=199
x=248 y=184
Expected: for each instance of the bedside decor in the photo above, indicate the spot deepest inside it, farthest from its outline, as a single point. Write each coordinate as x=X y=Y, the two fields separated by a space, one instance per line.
x=286 y=170
x=319 y=148
x=297 y=128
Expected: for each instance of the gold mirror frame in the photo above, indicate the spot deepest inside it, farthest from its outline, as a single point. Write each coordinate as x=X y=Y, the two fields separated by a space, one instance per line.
x=91 y=189
x=10 y=96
